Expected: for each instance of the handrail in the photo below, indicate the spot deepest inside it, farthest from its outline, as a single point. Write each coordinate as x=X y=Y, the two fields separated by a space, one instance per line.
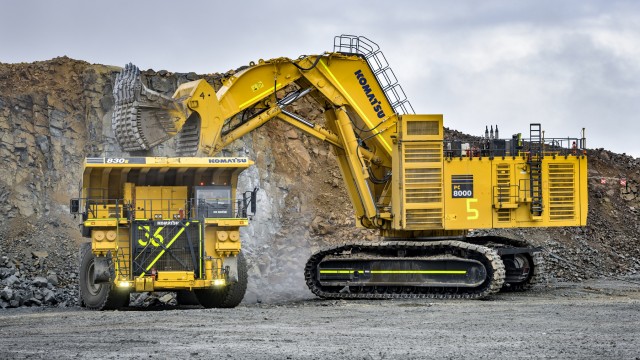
x=370 y=51
x=508 y=147
x=164 y=209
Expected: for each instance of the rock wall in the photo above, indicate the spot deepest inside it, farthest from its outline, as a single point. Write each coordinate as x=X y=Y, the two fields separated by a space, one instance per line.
x=51 y=116
x=55 y=113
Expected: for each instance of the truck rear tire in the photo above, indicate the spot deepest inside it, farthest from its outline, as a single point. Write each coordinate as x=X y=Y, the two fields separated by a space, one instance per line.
x=104 y=296
x=228 y=297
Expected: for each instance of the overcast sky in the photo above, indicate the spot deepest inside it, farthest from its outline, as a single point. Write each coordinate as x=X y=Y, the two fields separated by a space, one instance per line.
x=565 y=64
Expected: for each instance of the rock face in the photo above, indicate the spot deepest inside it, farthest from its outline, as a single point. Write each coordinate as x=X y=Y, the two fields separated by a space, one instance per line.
x=55 y=113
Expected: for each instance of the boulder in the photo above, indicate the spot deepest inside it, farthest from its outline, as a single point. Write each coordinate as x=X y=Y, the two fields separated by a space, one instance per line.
x=6 y=293
x=40 y=281
x=52 y=278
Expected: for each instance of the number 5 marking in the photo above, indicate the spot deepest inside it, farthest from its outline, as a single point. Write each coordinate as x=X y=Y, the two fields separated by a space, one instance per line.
x=472 y=211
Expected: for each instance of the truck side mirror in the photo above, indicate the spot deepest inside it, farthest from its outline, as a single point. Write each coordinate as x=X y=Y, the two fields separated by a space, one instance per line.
x=74 y=206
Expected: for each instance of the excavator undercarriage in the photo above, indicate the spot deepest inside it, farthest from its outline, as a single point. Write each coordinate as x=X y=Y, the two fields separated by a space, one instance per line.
x=421 y=191
x=468 y=268
x=401 y=269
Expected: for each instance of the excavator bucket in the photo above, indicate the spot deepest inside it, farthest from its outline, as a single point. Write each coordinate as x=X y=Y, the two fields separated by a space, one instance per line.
x=143 y=118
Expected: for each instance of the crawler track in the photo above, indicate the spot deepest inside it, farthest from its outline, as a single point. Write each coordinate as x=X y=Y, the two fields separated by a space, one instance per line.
x=487 y=256
x=535 y=278
x=535 y=257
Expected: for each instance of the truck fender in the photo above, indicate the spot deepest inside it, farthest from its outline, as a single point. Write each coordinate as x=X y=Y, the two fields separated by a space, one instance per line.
x=230 y=264
x=101 y=270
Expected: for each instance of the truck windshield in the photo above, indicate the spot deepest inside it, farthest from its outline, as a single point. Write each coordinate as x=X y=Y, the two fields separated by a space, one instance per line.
x=214 y=201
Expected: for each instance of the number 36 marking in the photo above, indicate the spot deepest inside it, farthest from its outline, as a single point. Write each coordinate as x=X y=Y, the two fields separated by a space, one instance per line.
x=473 y=213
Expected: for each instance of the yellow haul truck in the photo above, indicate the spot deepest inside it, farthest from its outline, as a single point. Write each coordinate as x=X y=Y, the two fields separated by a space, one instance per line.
x=421 y=192
x=163 y=224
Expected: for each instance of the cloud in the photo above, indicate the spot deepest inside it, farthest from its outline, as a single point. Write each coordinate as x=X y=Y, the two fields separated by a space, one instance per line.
x=568 y=64
x=578 y=72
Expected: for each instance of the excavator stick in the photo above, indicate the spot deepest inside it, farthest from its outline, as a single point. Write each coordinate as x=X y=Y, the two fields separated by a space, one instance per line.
x=143 y=118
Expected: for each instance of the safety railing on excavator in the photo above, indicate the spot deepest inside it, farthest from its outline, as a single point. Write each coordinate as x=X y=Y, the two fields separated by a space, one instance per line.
x=512 y=147
x=506 y=195
x=370 y=51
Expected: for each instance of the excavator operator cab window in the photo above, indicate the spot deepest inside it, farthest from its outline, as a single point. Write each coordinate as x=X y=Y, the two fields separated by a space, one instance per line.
x=213 y=201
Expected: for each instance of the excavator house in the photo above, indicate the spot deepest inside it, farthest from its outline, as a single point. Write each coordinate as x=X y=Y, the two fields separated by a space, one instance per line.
x=421 y=192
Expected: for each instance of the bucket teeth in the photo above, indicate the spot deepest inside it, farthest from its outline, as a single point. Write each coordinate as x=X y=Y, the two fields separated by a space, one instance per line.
x=142 y=118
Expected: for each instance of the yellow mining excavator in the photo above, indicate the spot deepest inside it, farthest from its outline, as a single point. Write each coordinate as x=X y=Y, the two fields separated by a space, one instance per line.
x=422 y=192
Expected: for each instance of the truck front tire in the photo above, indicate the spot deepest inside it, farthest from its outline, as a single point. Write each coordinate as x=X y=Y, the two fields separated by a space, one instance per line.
x=104 y=296
x=229 y=296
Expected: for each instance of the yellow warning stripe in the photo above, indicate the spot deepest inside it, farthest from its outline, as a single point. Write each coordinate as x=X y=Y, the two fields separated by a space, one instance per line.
x=163 y=251
x=354 y=104
x=431 y=272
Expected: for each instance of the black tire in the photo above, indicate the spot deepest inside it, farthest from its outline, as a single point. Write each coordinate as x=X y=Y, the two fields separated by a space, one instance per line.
x=103 y=296
x=186 y=297
x=228 y=297
x=81 y=250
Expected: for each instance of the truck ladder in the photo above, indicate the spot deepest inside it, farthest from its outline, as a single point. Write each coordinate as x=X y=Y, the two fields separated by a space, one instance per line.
x=123 y=253
x=535 y=166
x=370 y=51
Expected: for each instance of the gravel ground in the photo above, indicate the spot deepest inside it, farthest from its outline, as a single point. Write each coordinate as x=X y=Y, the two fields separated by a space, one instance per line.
x=593 y=319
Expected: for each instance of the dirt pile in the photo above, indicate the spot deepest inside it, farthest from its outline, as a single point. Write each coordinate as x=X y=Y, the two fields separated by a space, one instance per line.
x=55 y=113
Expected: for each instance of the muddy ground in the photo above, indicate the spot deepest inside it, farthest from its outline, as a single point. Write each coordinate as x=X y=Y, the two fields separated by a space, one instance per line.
x=595 y=319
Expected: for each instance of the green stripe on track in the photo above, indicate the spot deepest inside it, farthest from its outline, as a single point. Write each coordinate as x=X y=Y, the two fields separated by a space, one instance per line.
x=429 y=272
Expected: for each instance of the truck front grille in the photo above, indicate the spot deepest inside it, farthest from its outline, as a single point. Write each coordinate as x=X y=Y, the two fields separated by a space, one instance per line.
x=166 y=245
